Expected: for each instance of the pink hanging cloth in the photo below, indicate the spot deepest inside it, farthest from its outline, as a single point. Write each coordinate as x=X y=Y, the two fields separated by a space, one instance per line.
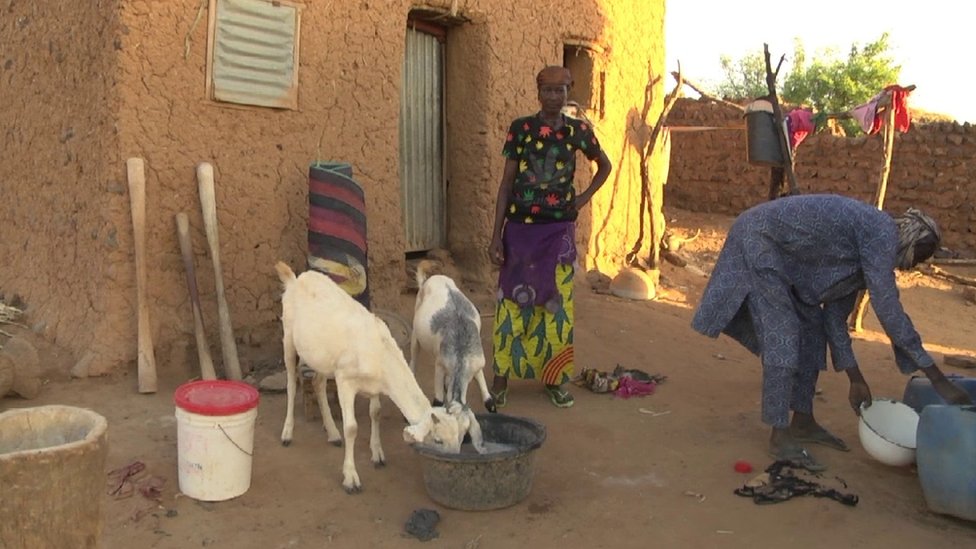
x=800 y=124
x=867 y=114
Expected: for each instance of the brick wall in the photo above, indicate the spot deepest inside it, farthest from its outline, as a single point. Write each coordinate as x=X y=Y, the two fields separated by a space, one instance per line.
x=931 y=169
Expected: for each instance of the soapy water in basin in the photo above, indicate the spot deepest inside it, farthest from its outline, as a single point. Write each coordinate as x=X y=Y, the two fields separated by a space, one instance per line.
x=490 y=448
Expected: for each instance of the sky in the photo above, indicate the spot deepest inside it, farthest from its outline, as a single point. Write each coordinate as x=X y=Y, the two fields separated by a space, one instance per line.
x=934 y=41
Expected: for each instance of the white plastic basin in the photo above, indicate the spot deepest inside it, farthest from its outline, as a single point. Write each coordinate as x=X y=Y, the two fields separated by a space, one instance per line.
x=887 y=432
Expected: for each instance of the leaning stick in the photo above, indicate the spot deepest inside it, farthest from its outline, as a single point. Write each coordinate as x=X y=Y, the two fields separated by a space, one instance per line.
x=136 y=175
x=186 y=251
x=208 y=204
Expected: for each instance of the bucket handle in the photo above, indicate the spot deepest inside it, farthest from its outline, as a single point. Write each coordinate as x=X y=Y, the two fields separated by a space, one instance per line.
x=221 y=427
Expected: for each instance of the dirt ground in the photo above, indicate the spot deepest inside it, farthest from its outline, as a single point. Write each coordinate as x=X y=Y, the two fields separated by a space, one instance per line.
x=642 y=472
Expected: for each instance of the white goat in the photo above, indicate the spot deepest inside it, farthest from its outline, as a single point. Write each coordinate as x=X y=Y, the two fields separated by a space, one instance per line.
x=447 y=325
x=339 y=338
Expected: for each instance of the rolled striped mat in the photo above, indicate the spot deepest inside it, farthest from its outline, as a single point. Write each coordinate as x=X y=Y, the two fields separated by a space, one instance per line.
x=337 y=227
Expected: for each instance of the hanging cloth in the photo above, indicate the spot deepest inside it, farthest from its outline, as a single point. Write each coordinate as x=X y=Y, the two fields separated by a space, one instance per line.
x=867 y=114
x=800 y=125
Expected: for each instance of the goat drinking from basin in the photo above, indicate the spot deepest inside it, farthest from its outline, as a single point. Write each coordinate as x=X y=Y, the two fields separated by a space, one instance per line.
x=447 y=325
x=339 y=338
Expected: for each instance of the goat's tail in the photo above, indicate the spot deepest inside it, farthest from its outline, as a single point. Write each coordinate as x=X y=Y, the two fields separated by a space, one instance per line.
x=425 y=268
x=285 y=274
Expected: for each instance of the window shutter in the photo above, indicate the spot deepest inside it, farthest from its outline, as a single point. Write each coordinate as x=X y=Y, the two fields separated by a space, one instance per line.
x=254 y=53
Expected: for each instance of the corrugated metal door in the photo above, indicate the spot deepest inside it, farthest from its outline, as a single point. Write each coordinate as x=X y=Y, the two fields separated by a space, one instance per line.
x=422 y=184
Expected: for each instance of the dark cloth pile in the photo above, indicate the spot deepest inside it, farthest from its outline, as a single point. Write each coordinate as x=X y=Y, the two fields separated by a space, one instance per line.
x=422 y=524
x=781 y=483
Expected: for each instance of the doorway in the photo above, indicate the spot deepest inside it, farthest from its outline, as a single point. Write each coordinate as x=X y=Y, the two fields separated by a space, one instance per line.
x=422 y=159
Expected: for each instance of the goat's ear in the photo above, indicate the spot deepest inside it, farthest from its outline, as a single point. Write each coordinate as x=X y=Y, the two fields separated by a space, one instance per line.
x=434 y=419
x=474 y=429
x=415 y=433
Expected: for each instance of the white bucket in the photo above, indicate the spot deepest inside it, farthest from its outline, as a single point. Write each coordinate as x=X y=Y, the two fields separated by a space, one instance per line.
x=215 y=437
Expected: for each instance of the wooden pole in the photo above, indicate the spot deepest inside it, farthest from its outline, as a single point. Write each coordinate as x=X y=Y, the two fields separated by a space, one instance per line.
x=677 y=76
x=650 y=199
x=775 y=182
x=784 y=143
x=933 y=270
x=888 y=133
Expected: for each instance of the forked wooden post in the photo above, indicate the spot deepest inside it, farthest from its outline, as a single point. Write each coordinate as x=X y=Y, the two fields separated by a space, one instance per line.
x=784 y=142
x=888 y=133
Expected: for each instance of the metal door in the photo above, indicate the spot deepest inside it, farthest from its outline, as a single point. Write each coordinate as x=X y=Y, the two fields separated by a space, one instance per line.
x=422 y=186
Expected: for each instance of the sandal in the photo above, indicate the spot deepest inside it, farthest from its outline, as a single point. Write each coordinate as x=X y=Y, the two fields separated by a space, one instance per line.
x=501 y=397
x=798 y=457
x=824 y=438
x=559 y=397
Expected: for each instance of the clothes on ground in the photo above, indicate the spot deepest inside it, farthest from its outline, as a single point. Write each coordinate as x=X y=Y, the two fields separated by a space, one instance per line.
x=783 y=481
x=622 y=382
x=422 y=524
x=785 y=283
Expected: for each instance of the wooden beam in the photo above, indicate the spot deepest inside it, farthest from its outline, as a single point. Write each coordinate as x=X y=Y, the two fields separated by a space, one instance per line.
x=705 y=95
x=932 y=270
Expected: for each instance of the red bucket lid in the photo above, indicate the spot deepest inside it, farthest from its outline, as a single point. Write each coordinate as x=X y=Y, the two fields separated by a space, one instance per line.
x=217 y=397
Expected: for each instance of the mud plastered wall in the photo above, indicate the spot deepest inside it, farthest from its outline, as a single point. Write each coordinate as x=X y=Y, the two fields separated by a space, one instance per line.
x=931 y=168
x=492 y=63
x=147 y=98
x=65 y=243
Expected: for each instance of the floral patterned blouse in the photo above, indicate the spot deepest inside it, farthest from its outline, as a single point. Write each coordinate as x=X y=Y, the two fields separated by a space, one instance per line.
x=543 y=189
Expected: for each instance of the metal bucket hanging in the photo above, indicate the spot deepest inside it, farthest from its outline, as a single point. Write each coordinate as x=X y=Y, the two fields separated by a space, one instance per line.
x=762 y=142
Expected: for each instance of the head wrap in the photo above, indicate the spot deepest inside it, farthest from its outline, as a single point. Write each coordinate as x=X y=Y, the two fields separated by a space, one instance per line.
x=554 y=75
x=914 y=227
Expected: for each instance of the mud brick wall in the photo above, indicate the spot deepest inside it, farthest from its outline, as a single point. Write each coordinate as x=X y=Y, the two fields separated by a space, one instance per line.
x=86 y=85
x=932 y=169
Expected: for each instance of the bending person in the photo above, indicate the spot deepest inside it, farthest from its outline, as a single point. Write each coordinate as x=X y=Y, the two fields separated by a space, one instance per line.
x=784 y=285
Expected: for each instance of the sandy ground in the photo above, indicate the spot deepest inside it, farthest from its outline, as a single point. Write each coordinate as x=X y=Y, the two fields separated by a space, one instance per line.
x=610 y=474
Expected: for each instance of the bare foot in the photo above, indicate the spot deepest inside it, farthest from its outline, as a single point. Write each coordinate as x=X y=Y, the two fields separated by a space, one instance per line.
x=804 y=428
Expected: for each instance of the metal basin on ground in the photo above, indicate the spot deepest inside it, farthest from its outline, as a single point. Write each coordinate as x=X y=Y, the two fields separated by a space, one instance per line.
x=500 y=478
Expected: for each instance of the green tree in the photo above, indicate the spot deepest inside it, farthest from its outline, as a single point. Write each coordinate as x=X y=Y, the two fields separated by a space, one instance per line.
x=745 y=78
x=828 y=83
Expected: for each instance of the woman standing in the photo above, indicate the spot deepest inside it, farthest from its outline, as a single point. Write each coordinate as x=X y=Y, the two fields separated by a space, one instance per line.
x=534 y=241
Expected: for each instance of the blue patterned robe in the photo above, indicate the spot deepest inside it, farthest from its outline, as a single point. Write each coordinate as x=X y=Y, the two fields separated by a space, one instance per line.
x=787 y=280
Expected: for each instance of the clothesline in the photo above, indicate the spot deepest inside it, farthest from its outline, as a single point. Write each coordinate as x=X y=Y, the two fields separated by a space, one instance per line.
x=868 y=115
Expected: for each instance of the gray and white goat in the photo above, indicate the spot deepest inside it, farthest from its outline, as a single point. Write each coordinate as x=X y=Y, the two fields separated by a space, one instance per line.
x=447 y=325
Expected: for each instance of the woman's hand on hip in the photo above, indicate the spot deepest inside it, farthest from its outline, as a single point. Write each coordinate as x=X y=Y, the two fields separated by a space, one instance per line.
x=496 y=252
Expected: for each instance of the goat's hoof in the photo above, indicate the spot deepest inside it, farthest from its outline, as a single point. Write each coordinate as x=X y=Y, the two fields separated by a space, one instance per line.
x=286 y=442
x=436 y=402
x=353 y=490
x=337 y=443
x=490 y=406
x=379 y=464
